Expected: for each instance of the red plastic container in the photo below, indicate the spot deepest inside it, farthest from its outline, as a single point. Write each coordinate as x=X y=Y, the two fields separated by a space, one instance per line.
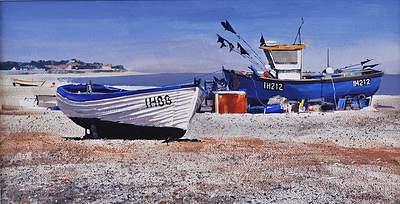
x=230 y=102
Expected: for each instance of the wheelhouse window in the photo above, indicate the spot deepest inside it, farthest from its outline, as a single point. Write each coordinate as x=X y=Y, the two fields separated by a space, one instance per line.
x=284 y=57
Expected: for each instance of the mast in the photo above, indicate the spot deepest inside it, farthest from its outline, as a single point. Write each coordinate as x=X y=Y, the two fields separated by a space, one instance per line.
x=298 y=36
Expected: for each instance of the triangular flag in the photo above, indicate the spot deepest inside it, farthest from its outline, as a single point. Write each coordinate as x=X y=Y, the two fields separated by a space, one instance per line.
x=262 y=41
x=242 y=50
x=228 y=26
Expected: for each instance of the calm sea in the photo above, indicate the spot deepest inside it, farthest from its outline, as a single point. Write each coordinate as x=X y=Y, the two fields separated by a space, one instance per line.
x=390 y=84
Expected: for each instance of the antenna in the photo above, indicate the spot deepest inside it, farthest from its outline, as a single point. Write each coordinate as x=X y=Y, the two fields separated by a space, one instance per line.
x=327 y=60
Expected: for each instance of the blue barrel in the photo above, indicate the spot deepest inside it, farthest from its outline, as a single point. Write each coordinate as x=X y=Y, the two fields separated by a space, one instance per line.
x=355 y=104
x=363 y=103
x=341 y=104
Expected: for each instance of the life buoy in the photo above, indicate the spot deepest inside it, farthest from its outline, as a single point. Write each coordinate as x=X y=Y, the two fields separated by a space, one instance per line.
x=266 y=74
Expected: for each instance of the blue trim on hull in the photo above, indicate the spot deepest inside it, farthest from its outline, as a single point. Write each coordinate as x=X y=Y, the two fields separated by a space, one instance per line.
x=304 y=89
x=78 y=92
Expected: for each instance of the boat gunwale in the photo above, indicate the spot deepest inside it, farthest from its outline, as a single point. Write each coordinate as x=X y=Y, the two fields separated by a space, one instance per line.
x=375 y=74
x=24 y=80
x=82 y=97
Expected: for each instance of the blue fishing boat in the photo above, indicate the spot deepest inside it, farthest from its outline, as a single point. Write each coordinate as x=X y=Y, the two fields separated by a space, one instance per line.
x=155 y=113
x=328 y=88
x=286 y=76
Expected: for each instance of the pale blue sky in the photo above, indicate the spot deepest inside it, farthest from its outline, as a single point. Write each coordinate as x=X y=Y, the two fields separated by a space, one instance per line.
x=179 y=36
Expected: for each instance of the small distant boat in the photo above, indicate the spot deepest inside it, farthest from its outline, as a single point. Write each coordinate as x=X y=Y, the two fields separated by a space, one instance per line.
x=22 y=82
x=155 y=113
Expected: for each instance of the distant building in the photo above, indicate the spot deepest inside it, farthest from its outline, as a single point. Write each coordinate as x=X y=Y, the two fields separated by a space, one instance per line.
x=59 y=66
x=106 y=66
x=71 y=61
x=118 y=67
x=27 y=67
x=87 y=66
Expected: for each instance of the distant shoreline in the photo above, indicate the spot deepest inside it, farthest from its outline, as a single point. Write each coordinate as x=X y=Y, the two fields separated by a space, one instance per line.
x=390 y=84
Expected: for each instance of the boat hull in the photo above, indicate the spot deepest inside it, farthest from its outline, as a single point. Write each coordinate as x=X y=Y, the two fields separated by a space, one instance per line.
x=116 y=130
x=27 y=82
x=144 y=114
x=259 y=90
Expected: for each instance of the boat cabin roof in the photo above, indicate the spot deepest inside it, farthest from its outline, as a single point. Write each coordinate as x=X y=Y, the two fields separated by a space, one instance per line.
x=282 y=47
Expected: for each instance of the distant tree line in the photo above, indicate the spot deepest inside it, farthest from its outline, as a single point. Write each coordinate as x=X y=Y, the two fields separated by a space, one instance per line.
x=41 y=64
x=9 y=65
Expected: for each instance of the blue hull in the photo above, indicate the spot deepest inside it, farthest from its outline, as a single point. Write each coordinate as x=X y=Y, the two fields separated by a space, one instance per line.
x=261 y=89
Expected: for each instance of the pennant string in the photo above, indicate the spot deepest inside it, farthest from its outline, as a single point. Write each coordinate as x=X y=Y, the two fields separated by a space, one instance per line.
x=239 y=50
x=227 y=26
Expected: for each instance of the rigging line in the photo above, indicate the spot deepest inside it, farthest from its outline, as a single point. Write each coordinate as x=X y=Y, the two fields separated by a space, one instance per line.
x=229 y=28
x=255 y=89
x=249 y=58
x=255 y=61
x=353 y=69
x=256 y=55
x=334 y=92
x=353 y=65
x=252 y=61
x=350 y=68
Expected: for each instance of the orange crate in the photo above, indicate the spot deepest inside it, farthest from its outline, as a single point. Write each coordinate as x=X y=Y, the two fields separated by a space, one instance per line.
x=230 y=102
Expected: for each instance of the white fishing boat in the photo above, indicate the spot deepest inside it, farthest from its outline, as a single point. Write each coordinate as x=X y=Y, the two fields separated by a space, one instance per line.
x=156 y=113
